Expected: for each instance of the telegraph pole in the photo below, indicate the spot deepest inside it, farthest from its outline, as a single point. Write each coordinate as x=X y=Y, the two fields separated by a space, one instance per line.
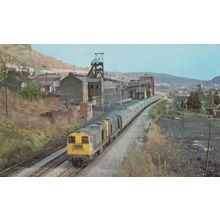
x=6 y=95
x=208 y=149
x=4 y=73
x=121 y=94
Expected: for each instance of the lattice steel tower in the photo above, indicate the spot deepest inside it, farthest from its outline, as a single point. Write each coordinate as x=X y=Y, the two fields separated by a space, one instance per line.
x=97 y=66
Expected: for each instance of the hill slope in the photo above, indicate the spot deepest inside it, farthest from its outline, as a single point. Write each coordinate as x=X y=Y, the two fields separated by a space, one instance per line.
x=22 y=55
x=161 y=78
x=216 y=80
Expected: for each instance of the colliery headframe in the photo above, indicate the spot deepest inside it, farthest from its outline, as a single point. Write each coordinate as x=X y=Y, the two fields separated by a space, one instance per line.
x=97 y=66
x=96 y=87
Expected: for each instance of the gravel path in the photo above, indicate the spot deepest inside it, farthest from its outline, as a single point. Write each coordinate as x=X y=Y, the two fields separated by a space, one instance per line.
x=131 y=137
x=29 y=170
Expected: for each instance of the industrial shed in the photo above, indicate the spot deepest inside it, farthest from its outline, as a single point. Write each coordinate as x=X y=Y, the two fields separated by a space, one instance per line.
x=77 y=89
x=74 y=89
x=94 y=89
x=111 y=91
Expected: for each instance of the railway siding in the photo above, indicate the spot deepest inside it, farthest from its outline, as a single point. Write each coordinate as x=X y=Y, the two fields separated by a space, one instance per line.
x=29 y=170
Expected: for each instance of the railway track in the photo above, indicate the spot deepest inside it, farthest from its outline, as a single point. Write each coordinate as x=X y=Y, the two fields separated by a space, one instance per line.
x=48 y=167
x=53 y=163
x=72 y=171
x=83 y=171
x=32 y=158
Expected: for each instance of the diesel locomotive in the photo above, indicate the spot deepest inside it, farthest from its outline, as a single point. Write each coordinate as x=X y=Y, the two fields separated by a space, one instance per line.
x=88 y=142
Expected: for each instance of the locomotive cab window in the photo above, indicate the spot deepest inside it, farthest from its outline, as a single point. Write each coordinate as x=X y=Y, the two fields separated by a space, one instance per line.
x=85 y=140
x=71 y=139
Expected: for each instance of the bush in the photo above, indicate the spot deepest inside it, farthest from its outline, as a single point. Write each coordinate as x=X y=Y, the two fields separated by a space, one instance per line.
x=157 y=156
x=158 y=109
x=216 y=98
x=31 y=91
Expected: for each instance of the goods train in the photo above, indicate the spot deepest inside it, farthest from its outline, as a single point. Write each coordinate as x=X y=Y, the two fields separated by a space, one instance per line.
x=88 y=142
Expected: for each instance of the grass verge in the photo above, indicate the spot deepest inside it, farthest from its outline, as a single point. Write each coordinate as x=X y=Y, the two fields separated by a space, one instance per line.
x=158 y=109
x=157 y=156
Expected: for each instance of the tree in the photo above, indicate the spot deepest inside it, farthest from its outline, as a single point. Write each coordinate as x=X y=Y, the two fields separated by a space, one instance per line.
x=193 y=101
x=31 y=91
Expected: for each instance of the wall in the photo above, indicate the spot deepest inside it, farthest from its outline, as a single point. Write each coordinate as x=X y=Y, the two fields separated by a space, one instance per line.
x=71 y=90
x=94 y=88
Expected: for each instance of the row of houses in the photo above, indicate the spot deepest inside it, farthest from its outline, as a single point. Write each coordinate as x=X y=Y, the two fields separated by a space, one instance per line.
x=205 y=101
x=49 y=82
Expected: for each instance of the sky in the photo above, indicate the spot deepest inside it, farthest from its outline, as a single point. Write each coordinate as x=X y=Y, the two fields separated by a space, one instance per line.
x=198 y=61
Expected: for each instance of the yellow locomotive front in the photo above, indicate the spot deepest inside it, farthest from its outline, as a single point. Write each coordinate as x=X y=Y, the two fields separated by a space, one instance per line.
x=79 y=148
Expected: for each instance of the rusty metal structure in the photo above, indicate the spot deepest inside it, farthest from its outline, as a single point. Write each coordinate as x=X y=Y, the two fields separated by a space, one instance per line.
x=148 y=82
x=142 y=88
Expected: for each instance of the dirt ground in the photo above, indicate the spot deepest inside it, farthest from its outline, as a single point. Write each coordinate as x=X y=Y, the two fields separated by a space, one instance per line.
x=191 y=132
